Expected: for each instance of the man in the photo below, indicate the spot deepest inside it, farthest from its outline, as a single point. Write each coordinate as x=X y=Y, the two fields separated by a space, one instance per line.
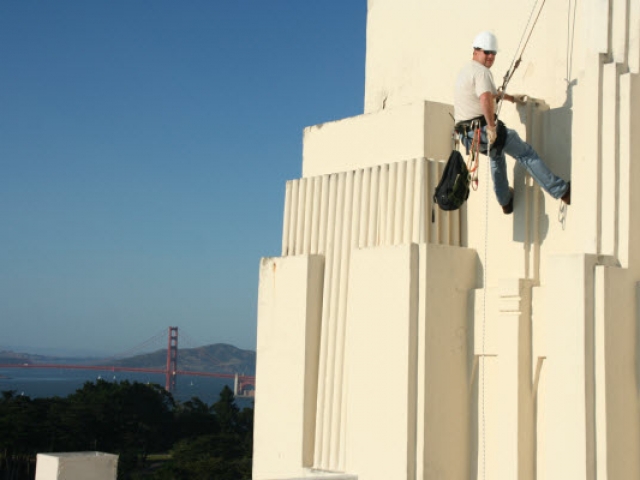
x=475 y=106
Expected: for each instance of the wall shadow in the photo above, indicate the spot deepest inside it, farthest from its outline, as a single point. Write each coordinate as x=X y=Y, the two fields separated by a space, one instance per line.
x=549 y=131
x=557 y=124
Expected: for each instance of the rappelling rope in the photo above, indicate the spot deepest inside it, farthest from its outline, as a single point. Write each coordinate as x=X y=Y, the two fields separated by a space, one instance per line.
x=515 y=63
x=484 y=309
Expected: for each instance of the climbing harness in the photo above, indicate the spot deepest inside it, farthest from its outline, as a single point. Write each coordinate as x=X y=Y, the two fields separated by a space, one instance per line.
x=474 y=145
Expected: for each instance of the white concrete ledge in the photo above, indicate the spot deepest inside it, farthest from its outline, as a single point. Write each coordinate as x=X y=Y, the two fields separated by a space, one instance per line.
x=419 y=130
x=76 y=466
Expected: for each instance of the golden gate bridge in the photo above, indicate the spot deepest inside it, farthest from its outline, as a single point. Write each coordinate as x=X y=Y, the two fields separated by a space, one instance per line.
x=243 y=384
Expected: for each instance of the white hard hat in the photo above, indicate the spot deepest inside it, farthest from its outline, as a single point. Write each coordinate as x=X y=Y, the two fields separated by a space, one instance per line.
x=486 y=41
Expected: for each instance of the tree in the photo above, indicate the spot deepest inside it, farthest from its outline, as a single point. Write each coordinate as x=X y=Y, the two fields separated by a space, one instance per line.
x=130 y=419
x=21 y=420
x=221 y=455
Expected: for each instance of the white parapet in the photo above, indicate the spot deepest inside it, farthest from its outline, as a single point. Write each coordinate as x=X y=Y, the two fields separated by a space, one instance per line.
x=77 y=466
x=387 y=136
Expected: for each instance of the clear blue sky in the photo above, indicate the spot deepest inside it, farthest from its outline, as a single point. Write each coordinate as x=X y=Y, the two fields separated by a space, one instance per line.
x=144 y=150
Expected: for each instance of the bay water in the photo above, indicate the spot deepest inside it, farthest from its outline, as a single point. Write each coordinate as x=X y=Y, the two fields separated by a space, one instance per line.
x=39 y=383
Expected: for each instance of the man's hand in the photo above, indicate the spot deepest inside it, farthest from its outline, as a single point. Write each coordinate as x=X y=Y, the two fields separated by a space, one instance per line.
x=492 y=134
x=520 y=99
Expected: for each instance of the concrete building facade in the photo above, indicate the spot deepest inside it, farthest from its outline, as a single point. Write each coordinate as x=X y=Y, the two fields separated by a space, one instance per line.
x=397 y=341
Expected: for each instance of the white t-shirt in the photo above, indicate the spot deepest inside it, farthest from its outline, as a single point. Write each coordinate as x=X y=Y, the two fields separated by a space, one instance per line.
x=473 y=80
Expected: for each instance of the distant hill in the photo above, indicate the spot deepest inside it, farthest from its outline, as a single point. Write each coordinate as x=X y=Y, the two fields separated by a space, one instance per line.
x=7 y=356
x=218 y=358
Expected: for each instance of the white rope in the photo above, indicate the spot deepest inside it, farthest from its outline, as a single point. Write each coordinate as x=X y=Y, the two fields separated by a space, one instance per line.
x=484 y=305
x=514 y=65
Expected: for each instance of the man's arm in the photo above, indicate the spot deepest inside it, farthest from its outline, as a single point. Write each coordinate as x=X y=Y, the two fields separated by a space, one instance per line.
x=488 y=108
x=521 y=99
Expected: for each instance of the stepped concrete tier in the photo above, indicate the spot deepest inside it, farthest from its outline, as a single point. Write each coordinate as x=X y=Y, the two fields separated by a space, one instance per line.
x=396 y=341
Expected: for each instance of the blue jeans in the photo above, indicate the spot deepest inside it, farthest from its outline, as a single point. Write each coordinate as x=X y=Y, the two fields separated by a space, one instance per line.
x=528 y=158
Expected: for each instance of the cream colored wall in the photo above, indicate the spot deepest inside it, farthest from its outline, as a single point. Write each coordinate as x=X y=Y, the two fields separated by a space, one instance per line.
x=415 y=47
x=381 y=413
x=535 y=353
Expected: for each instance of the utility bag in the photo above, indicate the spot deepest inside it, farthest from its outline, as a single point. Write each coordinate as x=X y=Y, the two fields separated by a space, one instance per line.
x=453 y=189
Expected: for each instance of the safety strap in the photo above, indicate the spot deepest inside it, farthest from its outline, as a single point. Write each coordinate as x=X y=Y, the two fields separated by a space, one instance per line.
x=473 y=161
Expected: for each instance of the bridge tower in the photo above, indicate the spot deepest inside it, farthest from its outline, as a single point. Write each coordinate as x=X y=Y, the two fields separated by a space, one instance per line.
x=172 y=360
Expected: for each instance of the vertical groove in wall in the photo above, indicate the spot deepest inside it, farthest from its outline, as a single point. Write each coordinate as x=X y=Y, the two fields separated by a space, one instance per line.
x=341 y=313
x=599 y=161
x=380 y=238
x=308 y=218
x=609 y=159
x=400 y=205
x=331 y=215
x=321 y=439
x=418 y=206
x=316 y=215
x=372 y=226
x=358 y=211
x=625 y=137
x=619 y=34
x=391 y=203
x=300 y=220
x=332 y=324
x=633 y=59
x=324 y=214
x=427 y=208
x=409 y=190
x=286 y=218
x=293 y=219
x=365 y=204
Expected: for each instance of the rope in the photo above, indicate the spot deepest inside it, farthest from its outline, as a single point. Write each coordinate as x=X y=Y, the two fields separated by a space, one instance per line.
x=507 y=78
x=484 y=310
x=473 y=161
x=516 y=63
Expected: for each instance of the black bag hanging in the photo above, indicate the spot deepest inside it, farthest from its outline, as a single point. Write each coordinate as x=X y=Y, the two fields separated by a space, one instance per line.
x=453 y=189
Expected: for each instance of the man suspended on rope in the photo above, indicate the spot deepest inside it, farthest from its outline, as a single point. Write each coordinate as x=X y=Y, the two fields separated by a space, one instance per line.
x=475 y=116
